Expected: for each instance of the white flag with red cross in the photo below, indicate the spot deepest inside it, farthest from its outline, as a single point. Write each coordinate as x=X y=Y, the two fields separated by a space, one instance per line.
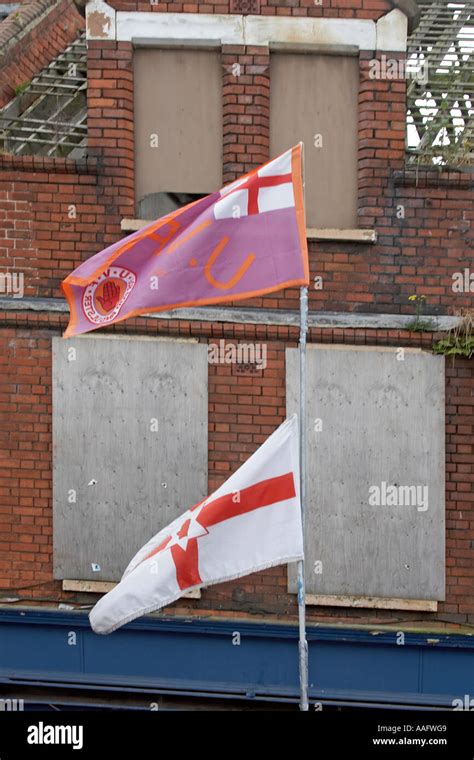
x=253 y=521
x=268 y=189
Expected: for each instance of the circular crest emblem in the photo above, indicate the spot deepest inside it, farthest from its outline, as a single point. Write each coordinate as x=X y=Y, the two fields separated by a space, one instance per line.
x=103 y=298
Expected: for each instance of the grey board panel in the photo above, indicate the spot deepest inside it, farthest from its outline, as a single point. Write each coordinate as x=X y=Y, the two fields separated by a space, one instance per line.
x=383 y=420
x=105 y=401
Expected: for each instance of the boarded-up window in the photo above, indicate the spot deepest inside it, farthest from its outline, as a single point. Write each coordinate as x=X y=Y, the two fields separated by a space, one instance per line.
x=178 y=127
x=314 y=99
x=130 y=447
x=375 y=471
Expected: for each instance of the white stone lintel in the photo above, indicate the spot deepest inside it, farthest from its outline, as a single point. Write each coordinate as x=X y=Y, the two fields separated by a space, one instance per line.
x=392 y=32
x=388 y=34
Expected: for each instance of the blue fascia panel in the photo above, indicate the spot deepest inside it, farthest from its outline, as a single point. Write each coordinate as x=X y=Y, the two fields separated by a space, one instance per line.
x=195 y=655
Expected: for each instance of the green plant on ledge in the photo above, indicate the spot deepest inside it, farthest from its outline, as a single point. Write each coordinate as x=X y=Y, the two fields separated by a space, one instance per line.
x=460 y=340
x=418 y=324
x=20 y=88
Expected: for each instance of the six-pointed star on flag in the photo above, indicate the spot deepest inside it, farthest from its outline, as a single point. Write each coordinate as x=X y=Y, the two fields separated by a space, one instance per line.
x=190 y=528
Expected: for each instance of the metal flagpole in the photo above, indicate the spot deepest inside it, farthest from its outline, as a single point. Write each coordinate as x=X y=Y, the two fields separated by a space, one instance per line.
x=303 y=644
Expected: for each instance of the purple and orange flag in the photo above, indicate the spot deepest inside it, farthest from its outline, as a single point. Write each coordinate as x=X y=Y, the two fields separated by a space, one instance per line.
x=245 y=240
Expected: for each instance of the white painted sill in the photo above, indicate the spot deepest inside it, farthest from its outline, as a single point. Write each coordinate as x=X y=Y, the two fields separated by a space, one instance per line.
x=312 y=233
x=372 y=602
x=103 y=587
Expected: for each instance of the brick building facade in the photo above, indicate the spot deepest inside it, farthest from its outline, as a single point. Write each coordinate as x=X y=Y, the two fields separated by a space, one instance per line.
x=55 y=212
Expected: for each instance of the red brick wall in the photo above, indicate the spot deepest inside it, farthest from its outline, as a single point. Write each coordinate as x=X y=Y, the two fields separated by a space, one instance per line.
x=51 y=217
x=417 y=253
x=25 y=458
x=371 y=9
x=459 y=491
x=110 y=127
x=31 y=37
x=243 y=411
x=246 y=109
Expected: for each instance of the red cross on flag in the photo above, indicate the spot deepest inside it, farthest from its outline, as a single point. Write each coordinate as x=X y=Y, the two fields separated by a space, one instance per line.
x=268 y=189
x=253 y=521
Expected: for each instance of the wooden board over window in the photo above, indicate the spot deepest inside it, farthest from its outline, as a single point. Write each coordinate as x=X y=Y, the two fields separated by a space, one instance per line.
x=178 y=121
x=130 y=447
x=314 y=99
x=375 y=420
